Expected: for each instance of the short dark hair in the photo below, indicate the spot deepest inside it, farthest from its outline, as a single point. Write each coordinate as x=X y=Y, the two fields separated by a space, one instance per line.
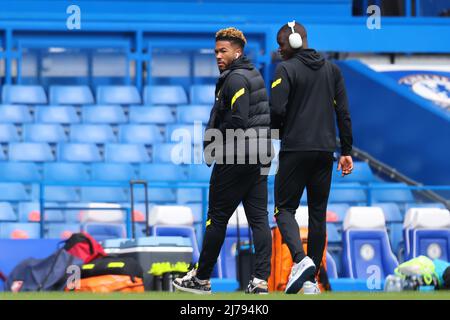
x=299 y=28
x=233 y=35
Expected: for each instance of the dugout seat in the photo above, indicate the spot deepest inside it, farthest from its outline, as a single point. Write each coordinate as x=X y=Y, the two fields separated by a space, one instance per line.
x=366 y=247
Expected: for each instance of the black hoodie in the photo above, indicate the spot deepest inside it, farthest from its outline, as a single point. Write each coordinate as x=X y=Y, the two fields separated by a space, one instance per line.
x=307 y=92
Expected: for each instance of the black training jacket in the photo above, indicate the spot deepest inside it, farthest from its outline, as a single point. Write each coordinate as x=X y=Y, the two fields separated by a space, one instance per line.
x=241 y=102
x=307 y=92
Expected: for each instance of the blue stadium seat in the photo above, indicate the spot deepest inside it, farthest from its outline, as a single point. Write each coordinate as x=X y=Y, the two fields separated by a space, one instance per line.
x=31 y=212
x=158 y=195
x=112 y=172
x=156 y=115
x=203 y=94
x=63 y=171
x=193 y=113
x=61 y=194
x=179 y=231
x=103 y=194
x=7 y=213
x=161 y=172
x=118 y=95
x=56 y=114
x=143 y=134
x=392 y=195
x=185 y=195
x=331 y=267
x=340 y=209
x=103 y=114
x=79 y=152
x=333 y=234
x=391 y=211
x=103 y=231
x=187 y=132
x=10 y=113
x=351 y=195
x=361 y=173
x=19 y=171
x=61 y=230
x=92 y=133
x=2 y=155
x=424 y=205
x=13 y=192
x=76 y=95
x=37 y=152
x=173 y=153
x=167 y=95
x=8 y=133
x=72 y=214
x=17 y=230
x=199 y=172
x=126 y=153
x=51 y=133
x=366 y=247
x=17 y=94
x=429 y=234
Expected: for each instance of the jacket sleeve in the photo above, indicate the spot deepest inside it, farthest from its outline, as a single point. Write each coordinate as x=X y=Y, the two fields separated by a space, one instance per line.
x=279 y=97
x=342 y=113
x=236 y=109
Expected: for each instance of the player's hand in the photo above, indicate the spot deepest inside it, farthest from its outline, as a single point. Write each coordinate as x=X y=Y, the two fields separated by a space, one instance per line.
x=346 y=164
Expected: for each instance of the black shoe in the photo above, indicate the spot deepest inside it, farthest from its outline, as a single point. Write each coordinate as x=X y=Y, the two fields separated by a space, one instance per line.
x=260 y=288
x=190 y=283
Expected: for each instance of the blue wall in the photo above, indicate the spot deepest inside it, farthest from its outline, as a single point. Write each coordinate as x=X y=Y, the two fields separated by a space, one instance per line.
x=398 y=127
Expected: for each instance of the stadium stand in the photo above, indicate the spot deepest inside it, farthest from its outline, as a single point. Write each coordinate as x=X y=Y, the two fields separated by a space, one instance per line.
x=87 y=135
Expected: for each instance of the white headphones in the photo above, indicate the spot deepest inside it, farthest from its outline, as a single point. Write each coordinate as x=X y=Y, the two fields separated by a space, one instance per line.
x=295 y=39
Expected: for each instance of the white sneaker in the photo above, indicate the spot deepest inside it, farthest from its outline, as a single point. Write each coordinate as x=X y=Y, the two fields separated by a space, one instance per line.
x=299 y=273
x=311 y=288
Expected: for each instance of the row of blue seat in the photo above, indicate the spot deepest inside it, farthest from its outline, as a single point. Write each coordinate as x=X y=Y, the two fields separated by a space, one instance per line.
x=61 y=230
x=104 y=114
x=126 y=95
x=111 y=152
x=120 y=172
x=30 y=211
x=18 y=192
x=95 y=133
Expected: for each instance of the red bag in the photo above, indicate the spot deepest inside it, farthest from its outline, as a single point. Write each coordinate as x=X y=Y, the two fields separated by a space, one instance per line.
x=84 y=247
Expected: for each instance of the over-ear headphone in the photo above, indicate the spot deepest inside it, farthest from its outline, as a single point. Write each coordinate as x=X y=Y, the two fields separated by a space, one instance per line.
x=295 y=39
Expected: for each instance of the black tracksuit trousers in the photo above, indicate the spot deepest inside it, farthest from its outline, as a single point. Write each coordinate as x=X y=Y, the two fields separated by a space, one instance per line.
x=297 y=170
x=230 y=185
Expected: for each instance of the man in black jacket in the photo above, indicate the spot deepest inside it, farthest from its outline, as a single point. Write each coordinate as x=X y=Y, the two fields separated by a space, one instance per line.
x=306 y=93
x=240 y=118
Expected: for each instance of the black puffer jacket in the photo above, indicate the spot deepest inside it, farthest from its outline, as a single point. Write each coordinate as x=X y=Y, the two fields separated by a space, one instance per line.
x=241 y=103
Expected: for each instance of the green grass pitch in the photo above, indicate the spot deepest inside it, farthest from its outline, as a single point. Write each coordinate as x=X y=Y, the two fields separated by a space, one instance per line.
x=238 y=296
